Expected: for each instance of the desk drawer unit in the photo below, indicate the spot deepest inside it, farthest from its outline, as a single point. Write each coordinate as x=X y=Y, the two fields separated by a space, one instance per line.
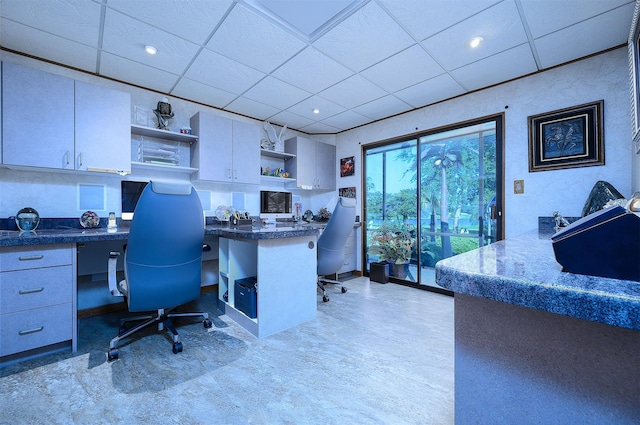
x=37 y=297
x=350 y=260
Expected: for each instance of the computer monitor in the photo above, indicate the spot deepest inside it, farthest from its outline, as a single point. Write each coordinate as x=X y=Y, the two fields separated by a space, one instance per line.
x=130 y=192
x=274 y=205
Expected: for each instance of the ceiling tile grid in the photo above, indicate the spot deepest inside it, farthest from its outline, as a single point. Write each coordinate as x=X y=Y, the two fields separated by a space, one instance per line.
x=355 y=60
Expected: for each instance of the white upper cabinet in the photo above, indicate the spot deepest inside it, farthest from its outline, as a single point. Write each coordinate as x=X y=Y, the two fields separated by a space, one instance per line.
x=37 y=118
x=314 y=164
x=55 y=122
x=227 y=150
x=103 y=131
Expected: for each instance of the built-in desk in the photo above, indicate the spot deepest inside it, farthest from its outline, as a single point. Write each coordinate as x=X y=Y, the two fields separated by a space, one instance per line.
x=534 y=344
x=38 y=280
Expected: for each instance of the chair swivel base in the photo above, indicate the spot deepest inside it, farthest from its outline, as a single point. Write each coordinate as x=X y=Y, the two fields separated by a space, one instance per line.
x=322 y=281
x=163 y=320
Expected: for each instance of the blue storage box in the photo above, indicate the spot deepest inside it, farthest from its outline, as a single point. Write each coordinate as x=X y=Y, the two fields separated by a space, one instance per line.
x=246 y=296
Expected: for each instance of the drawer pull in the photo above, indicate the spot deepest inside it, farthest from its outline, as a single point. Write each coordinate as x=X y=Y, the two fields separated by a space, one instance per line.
x=31 y=257
x=30 y=331
x=30 y=291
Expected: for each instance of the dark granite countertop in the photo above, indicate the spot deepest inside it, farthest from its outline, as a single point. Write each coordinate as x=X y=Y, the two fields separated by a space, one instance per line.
x=523 y=271
x=68 y=235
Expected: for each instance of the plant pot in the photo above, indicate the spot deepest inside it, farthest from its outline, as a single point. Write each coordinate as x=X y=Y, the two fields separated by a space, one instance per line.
x=399 y=270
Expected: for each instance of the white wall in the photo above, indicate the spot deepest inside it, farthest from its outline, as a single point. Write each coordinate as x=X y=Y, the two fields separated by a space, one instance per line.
x=601 y=77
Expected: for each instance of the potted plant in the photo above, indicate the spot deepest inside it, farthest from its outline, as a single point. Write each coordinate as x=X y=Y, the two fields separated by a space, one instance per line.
x=393 y=243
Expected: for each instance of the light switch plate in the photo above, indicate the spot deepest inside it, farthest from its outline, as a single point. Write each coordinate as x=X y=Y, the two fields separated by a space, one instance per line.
x=518 y=186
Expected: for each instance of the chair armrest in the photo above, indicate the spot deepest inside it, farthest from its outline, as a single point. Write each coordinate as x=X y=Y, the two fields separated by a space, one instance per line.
x=111 y=274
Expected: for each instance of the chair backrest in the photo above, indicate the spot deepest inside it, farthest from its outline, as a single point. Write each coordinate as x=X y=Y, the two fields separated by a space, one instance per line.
x=163 y=258
x=334 y=237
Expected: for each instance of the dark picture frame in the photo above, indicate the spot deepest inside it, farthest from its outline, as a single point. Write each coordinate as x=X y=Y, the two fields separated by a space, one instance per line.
x=347 y=166
x=347 y=192
x=567 y=138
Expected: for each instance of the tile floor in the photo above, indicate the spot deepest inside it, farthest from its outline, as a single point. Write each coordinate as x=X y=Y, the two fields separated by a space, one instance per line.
x=379 y=354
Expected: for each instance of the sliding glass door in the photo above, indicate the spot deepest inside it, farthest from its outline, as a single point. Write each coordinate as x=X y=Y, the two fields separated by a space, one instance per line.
x=431 y=196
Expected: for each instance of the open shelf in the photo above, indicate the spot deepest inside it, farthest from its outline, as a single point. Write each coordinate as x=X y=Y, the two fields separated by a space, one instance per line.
x=170 y=168
x=277 y=179
x=162 y=134
x=274 y=154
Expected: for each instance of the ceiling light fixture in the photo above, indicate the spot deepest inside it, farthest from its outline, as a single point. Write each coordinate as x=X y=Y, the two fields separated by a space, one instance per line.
x=315 y=110
x=151 y=50
x=475 y=42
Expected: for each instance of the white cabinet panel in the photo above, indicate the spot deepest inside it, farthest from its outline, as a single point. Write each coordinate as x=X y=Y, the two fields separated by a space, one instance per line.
x=37 y=118
x=102 y=129
x=314 y=165
x=227 y=150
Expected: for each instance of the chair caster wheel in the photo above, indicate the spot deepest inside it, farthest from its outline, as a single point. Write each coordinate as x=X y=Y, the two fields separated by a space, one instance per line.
x=344 y=289
x=177 y=347
x=207 y=323
x=112 y=354
x=325 y=298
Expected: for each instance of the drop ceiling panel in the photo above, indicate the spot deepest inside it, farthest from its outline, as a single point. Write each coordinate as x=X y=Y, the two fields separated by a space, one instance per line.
x=136 y=73
x=345 y=120
x=383 y=107
x=500 y=26
x=73 y=20
x=491 y=71
x=312 y=70
x=126 y=37
x=251 y=108
x=44 y=45
x=189 y=89
x=365 y=38
x=414 y=14
x=277 y=93
x=326 y=107
x=193 y=20
x=218 y=71
x=546 y=17
x=252 y=40
x=318 y=127
x=290 y=120
x=306 y=17
x=405 y=69
x=430 y=91
x=579 y=40
x=352 y=92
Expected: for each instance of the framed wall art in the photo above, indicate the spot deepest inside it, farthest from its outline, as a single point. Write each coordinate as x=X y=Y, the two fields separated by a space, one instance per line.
x=347 y=192
x=567 y=138
x=347 y=166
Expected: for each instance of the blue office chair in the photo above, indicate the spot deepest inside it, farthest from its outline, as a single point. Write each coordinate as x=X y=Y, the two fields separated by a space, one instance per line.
x=162 y=259
x=332 y=241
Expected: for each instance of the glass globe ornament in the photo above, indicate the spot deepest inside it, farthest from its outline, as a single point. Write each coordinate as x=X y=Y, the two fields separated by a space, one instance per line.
x=27 y=219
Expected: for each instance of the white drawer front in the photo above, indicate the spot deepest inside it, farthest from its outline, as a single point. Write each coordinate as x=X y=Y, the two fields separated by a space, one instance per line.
x=28 y=289
x=30 y=329
x=26 y=257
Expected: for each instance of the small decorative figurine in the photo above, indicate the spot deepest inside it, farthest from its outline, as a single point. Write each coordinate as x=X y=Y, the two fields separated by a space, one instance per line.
x=275 y=139
x=163 y=113
x=560 y=221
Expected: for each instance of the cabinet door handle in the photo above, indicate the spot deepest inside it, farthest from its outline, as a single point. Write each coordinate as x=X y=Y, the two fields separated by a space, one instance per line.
x=79 y=160
x=67 y=158
x=229 y=169
x=30 y=331
x=31 y=257
x=30 y=291
x=235 y=174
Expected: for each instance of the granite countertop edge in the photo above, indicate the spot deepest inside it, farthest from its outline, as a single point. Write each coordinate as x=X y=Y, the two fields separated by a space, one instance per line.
x=11 y=238
x=522 y=271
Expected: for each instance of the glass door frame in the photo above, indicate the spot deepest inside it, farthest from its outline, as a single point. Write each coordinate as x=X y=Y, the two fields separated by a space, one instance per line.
x=498 y=211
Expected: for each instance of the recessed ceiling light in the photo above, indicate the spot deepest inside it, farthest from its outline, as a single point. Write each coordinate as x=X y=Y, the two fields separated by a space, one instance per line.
x=315 y=110
x=151 y=50
x=475 y=42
